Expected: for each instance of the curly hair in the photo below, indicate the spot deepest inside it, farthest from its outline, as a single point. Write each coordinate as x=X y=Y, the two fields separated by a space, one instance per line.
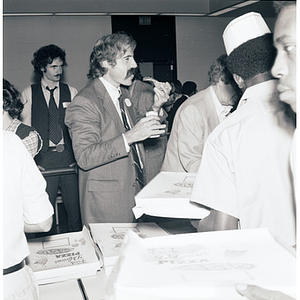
x=279 y=5
x=45 y=55
x=252 y=57
x=219 y=70
x=11 y=100
x=109 y=48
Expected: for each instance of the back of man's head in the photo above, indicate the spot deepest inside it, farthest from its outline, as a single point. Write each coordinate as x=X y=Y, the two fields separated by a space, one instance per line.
x=189 y=88
x=218 y=70
x=249 y=45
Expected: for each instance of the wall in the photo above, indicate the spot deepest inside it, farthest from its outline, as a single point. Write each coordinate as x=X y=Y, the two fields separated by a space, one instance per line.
x=198 y=42
x=22 y=36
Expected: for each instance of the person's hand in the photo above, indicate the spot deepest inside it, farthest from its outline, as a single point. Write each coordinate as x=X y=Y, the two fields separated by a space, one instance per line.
x=254 y=292
x=162 y=92
x=145 y=128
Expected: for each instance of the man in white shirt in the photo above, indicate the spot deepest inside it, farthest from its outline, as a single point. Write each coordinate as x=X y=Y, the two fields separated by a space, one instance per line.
x=284 y=68
x=197 y=117
x=245 y=172
x=26 y=207
x=105 y=135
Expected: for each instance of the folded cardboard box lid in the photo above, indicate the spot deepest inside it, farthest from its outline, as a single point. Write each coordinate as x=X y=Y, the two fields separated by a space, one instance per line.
x=201 y=266
x=168 y=195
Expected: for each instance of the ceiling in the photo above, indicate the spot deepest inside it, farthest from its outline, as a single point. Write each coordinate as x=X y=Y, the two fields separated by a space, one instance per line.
x=205 y=8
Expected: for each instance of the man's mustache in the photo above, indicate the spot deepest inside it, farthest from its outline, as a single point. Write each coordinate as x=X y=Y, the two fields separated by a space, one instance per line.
x=130 y=72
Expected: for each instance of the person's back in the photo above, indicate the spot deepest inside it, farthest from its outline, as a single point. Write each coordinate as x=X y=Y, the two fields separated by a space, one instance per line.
x=194 y=121
x=197 y=117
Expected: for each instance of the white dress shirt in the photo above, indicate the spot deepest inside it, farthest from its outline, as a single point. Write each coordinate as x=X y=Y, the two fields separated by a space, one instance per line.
x=222 y=110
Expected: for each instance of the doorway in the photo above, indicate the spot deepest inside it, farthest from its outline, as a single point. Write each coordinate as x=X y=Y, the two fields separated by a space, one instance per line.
x=156 y=43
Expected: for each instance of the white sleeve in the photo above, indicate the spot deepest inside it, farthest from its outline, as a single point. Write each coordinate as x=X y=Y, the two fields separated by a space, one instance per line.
x=36 y=205
x=215 y=181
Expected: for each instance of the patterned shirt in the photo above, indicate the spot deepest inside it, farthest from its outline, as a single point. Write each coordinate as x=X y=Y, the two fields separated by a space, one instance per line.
x=29 y=136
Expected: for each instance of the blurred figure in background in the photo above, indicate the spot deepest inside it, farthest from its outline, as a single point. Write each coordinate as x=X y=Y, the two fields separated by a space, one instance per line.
x=142 y=96
x=175 y=94
x=189 y=88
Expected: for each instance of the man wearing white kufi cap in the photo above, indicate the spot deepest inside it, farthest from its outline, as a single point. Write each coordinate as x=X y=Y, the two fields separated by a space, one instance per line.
x=244 y=175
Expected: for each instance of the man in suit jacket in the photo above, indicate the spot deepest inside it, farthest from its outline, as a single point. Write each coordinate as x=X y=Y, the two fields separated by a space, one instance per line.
x=108 y=178
x=197 y=117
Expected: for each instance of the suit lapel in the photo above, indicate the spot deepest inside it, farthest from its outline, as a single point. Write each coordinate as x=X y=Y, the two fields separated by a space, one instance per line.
x=108 y=105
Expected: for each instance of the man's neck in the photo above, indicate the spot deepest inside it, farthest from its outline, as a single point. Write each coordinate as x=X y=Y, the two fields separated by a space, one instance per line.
x=259 y=78
x=50 y=83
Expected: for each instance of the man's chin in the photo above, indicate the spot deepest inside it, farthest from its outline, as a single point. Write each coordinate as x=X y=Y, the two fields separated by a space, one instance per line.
x=127 y=82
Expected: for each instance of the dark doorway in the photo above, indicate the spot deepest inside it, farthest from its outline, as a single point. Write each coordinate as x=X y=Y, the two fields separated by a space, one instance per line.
x=156 y=43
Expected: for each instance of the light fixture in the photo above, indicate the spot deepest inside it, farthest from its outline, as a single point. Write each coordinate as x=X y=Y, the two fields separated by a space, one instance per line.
x=221 y=12
x=233 y=7
x=181 y=14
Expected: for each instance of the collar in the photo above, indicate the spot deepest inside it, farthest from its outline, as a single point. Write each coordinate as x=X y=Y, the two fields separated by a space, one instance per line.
x=259 y=91
x=45 y=84
x=113 y=92
x=220 y=109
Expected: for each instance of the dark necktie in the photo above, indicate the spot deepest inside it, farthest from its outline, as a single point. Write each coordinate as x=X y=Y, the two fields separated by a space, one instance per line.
x=137 y=165
x=55 y=134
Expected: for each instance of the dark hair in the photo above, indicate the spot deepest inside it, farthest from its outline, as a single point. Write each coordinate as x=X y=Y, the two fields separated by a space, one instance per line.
x=219 y=70
x=189 y=88
x=109 y=48
x=279 y=5
x=252 y=57
x=11 y=100
x=45 y=56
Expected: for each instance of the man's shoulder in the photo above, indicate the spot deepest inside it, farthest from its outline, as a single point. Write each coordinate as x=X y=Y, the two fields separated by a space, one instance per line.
x=90 y=92
x=197 y=101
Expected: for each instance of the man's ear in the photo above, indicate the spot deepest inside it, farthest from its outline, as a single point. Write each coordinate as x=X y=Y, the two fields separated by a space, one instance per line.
x=239 y=81
x=105 y=64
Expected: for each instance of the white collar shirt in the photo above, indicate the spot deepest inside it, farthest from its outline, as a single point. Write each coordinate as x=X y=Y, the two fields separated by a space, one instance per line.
x=245 y=169
x=222 y=110
x=114 y=94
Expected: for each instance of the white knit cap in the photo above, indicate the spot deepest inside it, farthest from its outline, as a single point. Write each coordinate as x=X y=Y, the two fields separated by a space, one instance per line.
x=243 y=29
